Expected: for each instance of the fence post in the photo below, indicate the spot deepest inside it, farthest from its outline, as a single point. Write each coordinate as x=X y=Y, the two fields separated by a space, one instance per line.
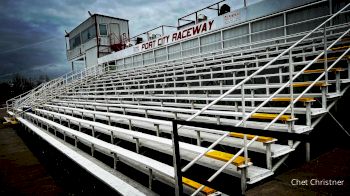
x=176 y=160
x=325 y=56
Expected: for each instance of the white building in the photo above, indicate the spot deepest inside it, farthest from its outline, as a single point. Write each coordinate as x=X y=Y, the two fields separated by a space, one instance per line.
x=97 y=36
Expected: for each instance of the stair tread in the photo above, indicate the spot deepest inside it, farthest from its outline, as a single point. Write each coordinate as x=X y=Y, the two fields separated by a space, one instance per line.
x=267 y=116
x=303 y=99
x=340 y=48
x=195 y=185
x=224 y=156
x=338 y=69
x=249 y=136
x=306 y=84
x=333 y=58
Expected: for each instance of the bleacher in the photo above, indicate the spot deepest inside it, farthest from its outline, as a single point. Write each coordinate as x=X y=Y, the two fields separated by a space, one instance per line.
x=286 y=86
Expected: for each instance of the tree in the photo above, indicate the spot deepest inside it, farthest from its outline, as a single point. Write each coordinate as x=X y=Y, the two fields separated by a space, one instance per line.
x=21 y=84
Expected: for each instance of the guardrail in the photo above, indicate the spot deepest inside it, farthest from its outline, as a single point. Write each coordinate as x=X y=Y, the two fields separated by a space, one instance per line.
x=46 y=91
x=246 y=117
x=224 y=128
x=288 y=50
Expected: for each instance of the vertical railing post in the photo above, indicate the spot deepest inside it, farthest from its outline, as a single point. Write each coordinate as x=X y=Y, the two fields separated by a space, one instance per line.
x=245 y=149
x=291 y=89
x=325 y=56
x=176 y=160
x=243 y=103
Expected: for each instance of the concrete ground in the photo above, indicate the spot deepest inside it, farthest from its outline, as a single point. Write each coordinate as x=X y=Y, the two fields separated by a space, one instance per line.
x=333 y=165
x=20 y=171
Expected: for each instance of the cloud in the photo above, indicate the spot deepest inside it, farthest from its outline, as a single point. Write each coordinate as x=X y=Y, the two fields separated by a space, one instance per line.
x=32 y=33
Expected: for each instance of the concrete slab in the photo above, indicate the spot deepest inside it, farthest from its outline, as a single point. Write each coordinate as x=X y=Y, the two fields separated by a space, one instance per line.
x=329 y=174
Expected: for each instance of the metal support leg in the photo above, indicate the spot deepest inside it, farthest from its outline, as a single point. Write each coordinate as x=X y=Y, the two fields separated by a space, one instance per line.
x=337 y=80
x=236 y=109
x=290 y=130
x=130 y=125
x=243 y=180
x=112 y=137
x=137 y=143
x=75 y=141
x=268 y=156
x=157 y=130
x=92 y=150
x=308 y=113
x=199 y=140
x=150 y=179
x=218 y=120
x=115 y=161
x=146 y=114
x=307 y=149
x=324 y=97
x=267 y=86
x=93 y=131
x=280 y=72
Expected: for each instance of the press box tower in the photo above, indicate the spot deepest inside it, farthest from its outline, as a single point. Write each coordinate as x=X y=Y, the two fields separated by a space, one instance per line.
x=97 y=36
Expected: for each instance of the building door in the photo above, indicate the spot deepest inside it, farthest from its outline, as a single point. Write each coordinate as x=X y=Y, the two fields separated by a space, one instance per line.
x=114 y=31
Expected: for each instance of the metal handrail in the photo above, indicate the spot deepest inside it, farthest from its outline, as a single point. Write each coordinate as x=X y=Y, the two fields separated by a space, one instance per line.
x=265 y=66
x=50 y=88
x=308 y=88
x=242 y=150
x=289 y=82
x=214 y=54
x=250 y=21
x=245 y=146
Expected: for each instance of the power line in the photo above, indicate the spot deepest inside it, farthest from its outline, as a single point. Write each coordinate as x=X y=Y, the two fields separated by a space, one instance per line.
x=30 y=45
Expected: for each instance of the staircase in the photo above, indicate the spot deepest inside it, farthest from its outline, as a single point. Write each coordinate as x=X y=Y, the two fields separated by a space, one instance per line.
x=285 y=87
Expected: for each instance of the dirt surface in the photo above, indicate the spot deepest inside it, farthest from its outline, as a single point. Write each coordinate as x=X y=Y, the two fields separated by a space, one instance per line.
x=333 y=165
x=20 y=171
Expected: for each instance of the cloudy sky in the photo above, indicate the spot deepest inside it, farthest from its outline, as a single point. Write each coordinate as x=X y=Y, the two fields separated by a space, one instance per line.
x=32 y=31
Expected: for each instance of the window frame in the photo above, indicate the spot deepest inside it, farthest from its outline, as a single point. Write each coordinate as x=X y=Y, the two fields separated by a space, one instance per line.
x=99 y=29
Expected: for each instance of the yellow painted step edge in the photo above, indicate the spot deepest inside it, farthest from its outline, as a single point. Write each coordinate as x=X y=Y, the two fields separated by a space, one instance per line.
x=303 y=99
x=196 y=185
x=340 y=48
x=10 y=120
x=249 y=137
x=338 y=69
x=306 y=84
x=267 y=116
x=333 y=58
x=224 y=156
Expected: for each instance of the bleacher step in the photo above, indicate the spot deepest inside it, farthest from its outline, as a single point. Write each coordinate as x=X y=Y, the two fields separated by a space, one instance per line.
x=267 y=116
x=306 y=84
x=338 y=69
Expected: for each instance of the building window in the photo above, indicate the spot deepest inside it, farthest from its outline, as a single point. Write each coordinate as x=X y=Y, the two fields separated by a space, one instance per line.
x=88 y=34
x=103 y=29
x=75 y=41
